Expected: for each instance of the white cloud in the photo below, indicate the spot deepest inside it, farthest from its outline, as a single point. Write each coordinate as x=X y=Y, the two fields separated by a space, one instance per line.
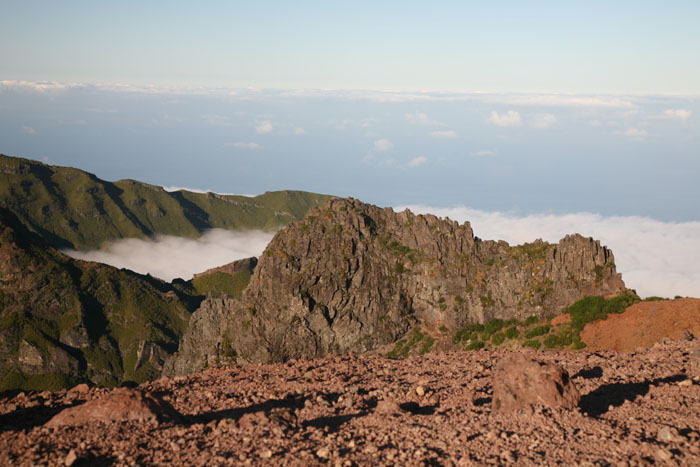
x=447 y=134
x=420 y=118
x=561 y=100
x=264 y=127
x=168 y=257
x=241 y=145
x=417 y=162
x=483 y=153
x=511 y=99
x=635 y=133
x=382 y=145
x=299 y=131
x=510 y=118
x=682 y=115
x=543 y=121
x=27 y=130
x=596 y=123
x=654 y=257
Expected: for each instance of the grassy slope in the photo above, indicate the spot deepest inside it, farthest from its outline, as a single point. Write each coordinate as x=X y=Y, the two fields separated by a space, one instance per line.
x=70 y=208
x=46 y=297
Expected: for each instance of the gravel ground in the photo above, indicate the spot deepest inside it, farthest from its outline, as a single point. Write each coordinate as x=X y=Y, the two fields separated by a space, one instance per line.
x=636 y=409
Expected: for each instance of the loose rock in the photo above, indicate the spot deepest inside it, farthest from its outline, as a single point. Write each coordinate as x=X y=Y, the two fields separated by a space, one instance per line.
x=520 y=382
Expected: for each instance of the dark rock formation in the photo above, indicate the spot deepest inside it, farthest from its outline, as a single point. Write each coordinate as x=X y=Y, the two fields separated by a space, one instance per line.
x=119 y=405
x=520 y=383
x=352 y=277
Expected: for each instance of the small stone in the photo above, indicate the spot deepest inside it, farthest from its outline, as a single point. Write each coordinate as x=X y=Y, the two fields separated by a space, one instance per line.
x=388 y=406
x=79 y=389
x=664 y=455
x=266 y=454
x=323 y=453
x=686 y=382
x=420 y=390
x=70 y=458
x=508 y=456
x=668 y=434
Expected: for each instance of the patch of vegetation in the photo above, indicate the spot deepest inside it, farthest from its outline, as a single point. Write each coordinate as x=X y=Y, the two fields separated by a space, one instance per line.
x=218 y=283
x=537 y=331
x=552 y=341
x=531 y=320
x=654 y=299
x=487 y=301
x=493 y=326
x=465 y=334
x=591 y=309
x=415 y=339
x=511 y=333
x=475 y=345
x=498 y=338
x=534 y=343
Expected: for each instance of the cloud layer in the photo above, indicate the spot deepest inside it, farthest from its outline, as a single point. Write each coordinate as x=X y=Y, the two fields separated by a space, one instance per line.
x=510 y=118
x=168 y=257
x=654 y=257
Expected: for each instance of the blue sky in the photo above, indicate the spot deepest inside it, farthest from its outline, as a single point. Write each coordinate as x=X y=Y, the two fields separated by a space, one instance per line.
x=585 y=114
x=499 y=46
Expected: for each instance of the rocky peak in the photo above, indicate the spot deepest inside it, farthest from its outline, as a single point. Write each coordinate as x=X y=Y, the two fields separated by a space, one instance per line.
x=351 y=277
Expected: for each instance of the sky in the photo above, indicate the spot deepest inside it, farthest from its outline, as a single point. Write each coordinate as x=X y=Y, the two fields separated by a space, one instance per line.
x=511 y=109
x=639 y=47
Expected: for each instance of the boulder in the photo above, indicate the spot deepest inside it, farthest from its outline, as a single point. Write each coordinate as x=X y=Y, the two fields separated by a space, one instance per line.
x=521 y=382
x=119 y=405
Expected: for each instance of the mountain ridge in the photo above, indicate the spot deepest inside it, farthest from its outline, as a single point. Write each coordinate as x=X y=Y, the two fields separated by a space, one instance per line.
x=71 y=208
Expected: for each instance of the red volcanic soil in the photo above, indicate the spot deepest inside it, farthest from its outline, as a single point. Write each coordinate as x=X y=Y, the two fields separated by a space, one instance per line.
x=644 y=324
x=635 y=409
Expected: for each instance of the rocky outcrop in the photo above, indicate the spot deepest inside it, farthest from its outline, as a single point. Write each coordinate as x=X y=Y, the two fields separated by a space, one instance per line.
x=120 y=405
x=352 y=277
x=521 y=383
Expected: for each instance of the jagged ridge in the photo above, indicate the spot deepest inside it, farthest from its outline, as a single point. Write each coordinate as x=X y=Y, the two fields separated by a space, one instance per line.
x=352 y=277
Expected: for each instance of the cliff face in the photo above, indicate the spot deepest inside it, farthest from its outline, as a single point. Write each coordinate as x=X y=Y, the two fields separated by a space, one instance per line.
x=352 y=277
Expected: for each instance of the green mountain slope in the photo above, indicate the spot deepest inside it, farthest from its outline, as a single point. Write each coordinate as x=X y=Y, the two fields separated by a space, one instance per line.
x=63 y=321
x=70 y=208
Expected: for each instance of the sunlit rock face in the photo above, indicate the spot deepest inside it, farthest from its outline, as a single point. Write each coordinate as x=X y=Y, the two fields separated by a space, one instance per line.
x=352 y=277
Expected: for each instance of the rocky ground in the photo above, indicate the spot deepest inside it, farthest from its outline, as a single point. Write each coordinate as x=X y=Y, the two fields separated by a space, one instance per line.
x=635 y=408
x=644 y=324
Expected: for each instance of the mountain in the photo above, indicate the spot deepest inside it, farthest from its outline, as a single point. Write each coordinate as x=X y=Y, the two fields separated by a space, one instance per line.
x=65 y=321
x=354 y=277
x=70 y=208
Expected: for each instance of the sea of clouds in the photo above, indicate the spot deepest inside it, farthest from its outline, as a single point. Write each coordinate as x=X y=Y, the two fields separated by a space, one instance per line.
x=168 y=257
x=655 y=258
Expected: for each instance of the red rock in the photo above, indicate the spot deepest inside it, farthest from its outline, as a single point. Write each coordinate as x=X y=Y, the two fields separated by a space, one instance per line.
x=520 y=382
x=123 y=404
x=79 y=389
